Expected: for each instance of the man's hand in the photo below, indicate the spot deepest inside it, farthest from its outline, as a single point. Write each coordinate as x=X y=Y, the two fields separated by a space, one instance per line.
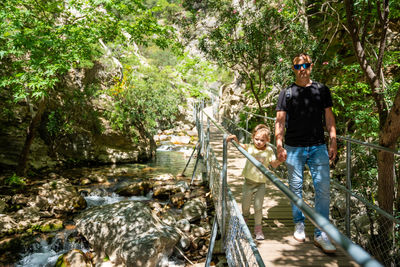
x=282 y=154
x=332 y=148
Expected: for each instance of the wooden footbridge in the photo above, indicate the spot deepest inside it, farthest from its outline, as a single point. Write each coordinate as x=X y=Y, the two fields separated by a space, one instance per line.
x=279 y=247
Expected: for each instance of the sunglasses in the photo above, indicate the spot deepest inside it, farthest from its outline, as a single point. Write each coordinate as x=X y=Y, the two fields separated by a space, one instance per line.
x=304 y=65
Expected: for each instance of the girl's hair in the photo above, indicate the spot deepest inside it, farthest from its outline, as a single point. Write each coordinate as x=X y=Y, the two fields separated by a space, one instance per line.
x=261 y=128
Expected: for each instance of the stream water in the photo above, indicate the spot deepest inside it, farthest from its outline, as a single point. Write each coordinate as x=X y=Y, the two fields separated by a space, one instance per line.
x=170 y=159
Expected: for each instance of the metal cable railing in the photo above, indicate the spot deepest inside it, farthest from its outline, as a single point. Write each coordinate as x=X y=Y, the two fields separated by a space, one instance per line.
x=235 y=233
x=237 y=242
x=353 y=209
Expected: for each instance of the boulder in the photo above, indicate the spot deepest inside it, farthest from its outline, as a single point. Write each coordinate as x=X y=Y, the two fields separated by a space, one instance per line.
x=58 y=196
x=73 y=258
x=195 y=209
x=128 y=233
x=136 y=188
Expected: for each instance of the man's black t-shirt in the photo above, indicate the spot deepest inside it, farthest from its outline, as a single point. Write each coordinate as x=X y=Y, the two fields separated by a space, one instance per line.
x=305 y=112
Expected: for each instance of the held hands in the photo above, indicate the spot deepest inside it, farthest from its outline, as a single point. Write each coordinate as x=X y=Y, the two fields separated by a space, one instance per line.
x=282 y=154
x=332 y=148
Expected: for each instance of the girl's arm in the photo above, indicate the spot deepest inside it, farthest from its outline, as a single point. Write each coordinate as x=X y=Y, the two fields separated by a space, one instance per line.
x=275 y=163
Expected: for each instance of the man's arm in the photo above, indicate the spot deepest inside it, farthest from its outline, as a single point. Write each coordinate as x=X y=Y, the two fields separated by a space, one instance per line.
x=331 y=127
x=279 y=131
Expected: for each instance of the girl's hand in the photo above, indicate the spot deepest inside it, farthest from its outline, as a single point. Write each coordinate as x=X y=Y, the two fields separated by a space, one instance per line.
x=232 y=137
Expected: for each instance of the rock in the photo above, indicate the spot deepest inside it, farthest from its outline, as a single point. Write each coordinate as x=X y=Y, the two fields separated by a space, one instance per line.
x=124 y=231
x=164 y=191
x=2 y=206
x=192 y=132
x=184 y=243
x=194 y=209
x=183 y=225
x=178 y=199
x=58 y=196
x=169 y=218
x=164 y=177
x=179 y=140
x=51 y=225
x=199 y=231
x=168 y=132
x=85 y=181
x=136 y=188
x=97 y=178
x=73 y=258
x=182 y=186
x=7 y=225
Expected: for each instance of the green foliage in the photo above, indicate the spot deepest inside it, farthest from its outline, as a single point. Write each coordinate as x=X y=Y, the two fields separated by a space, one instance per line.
x=15 y=181
x=42 y=40
x=258 y=40
x=197 y=74
x=57 y=123
x=354 y=111
x=145 y=100
x=150 y=94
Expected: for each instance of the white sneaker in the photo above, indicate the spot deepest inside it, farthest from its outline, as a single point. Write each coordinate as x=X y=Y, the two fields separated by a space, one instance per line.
x=299 y=233
x=324 y=243
x=258 y=232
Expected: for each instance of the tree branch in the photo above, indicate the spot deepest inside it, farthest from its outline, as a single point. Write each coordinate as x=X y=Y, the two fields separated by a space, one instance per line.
x=371 y=75
x=382 y=42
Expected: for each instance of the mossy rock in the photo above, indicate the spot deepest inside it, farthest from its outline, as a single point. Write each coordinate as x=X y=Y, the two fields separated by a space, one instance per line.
x=49 y=226
x=73 y=257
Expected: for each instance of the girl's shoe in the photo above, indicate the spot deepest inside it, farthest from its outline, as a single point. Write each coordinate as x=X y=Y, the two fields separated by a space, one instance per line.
x=258 y=232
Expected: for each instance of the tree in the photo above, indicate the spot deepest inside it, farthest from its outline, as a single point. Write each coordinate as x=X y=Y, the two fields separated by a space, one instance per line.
x=359 y=22
x=42 y=40
x=257 y=40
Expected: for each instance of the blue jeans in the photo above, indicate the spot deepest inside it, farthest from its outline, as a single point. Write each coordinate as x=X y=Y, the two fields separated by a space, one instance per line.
x=317 y=159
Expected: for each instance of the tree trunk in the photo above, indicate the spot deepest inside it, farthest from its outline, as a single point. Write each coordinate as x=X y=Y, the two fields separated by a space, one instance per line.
x=386 y=185
x=30 y=135
x=303 y=15
x=397 y=203
x=147 y=136
x=389 y=126
x=388 y=138
x=256 y=97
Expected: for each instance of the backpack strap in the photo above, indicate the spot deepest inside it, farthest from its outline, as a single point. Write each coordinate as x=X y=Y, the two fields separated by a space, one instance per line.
x=289 y=93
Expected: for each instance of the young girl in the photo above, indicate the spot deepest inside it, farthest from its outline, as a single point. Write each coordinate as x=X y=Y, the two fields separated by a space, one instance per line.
x=254 y=180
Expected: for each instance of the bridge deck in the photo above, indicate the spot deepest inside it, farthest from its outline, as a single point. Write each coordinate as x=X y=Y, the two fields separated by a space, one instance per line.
x=279 y=247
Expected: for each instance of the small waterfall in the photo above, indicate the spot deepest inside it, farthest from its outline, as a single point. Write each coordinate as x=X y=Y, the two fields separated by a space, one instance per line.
x=45 y=253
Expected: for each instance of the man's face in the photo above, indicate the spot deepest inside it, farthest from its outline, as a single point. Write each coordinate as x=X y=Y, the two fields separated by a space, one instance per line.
x=303 y=72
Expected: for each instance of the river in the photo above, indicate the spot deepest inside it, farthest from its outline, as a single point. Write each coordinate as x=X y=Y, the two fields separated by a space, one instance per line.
x=169 y=159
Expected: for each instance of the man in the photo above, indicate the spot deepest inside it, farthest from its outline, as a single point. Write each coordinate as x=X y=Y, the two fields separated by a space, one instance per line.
x=301 y=111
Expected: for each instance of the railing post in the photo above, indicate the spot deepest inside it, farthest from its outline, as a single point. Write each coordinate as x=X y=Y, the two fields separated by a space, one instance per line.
x=247 y=127
x=212 y=242
x=348 y=186
x=224 y=186
x=201 y=125
x=208 y=148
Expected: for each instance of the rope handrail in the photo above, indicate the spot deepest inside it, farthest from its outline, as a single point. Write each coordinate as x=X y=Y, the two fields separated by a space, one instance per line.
x=352 y=249
x=355 y=141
